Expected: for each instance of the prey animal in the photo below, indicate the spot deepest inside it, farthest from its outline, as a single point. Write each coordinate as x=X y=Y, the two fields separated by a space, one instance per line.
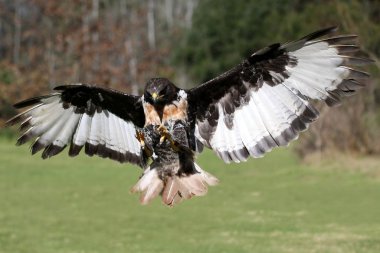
x=261 y=103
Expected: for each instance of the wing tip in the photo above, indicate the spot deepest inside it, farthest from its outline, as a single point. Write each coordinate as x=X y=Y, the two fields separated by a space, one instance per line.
x=320 y=33
x=36 y=146
x=27 y=102
x=52 y=150
x=35 y=100
x=13 y=121
x=74 y=150
x=63 y=87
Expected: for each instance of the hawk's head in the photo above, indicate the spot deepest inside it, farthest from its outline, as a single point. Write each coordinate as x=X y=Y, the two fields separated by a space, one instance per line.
x=160 y=91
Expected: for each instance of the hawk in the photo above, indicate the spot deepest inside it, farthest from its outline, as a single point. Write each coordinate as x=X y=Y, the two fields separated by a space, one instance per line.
x=262 y=103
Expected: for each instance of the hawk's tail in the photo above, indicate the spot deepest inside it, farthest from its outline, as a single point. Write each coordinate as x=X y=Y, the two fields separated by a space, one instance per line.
x=173 y=188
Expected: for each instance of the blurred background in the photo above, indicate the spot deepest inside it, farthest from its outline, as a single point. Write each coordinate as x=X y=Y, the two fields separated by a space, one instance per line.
x=121 y=44
x=321 y=195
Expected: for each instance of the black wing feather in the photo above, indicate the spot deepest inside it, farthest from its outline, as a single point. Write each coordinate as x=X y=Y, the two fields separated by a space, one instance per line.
x=125 y=106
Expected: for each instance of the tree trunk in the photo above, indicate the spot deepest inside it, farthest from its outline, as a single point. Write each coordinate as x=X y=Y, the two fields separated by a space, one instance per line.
x=130 y=49
x=132 y=67
x=95 y=36
x=151 y=25
x=17 y=33
x=169 y=12
x=190 y=6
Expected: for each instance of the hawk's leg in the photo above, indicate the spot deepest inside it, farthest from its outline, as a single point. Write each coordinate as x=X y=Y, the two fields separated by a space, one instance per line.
x=141 y=138
x=165 y=135
x=175 y=145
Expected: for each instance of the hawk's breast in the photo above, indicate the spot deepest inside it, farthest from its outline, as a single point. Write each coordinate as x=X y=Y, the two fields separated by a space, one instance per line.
x=176 y=110
x=152 y=116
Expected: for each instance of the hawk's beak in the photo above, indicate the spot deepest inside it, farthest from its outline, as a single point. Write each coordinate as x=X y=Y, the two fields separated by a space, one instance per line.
x=154 y=96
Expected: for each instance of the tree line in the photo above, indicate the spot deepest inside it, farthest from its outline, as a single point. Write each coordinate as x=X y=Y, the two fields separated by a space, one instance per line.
x=122 y=43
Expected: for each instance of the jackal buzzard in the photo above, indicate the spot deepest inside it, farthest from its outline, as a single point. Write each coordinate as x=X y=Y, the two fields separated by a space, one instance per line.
x=262 y=103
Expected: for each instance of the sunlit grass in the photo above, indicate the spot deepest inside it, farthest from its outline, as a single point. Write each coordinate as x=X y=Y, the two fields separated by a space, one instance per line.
x=274 y=204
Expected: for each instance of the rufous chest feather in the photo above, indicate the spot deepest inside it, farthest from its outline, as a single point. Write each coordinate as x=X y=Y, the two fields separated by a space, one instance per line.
x=158 y=116
x=175 y=111
x=152 y=116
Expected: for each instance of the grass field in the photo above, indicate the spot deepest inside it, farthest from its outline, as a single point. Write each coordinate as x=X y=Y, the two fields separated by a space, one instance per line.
x=275 y=204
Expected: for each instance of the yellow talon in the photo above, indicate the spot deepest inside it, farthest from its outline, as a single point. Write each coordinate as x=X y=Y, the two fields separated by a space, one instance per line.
x=141 y=138
x=164 y=133
x=162 y=129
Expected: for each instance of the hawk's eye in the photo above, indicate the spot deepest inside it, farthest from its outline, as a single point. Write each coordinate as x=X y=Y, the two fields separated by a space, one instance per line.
x=164 y=90
x=148 y=97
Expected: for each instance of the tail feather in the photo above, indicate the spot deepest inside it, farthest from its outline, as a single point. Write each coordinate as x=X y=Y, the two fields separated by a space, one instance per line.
x=148 y=177
x=177 y=199
x=153 y=190
x=184 y=191
x=173 y=188
x=150 y=185
x=196 y=185
x=207 y=177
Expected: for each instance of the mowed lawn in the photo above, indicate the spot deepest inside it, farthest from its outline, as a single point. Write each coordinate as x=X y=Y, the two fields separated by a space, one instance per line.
x=274 y=204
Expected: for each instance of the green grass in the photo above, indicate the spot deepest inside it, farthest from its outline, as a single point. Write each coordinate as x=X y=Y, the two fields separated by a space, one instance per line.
x=275 y=204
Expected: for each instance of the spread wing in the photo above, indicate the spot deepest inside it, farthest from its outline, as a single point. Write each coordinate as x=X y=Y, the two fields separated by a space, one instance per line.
x=101 y=120
x=264 y=102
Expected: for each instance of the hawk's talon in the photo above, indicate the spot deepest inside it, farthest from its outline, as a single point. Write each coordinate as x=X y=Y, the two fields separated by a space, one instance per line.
x=164 y=132
x=141 y=138
x=165 y=135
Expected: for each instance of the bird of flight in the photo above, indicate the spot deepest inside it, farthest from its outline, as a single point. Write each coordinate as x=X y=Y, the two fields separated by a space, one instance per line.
x=262 y=103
